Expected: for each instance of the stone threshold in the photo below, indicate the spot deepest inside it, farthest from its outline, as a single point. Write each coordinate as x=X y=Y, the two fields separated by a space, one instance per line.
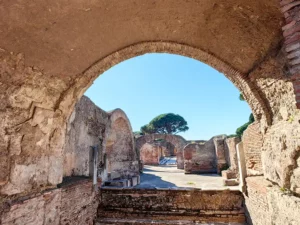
x=158 y=222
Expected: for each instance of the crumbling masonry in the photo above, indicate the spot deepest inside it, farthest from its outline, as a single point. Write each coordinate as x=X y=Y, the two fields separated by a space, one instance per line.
x=52 y=51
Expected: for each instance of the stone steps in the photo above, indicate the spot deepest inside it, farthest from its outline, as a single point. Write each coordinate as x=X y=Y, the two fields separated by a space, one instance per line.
x=125 y=206
x=118 y=221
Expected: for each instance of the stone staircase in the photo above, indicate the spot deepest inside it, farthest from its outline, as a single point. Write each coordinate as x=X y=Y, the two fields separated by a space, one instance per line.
x=168 y=161
x=170 y=207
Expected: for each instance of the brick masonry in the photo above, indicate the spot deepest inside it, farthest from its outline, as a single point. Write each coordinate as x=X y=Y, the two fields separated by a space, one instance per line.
x=252 y=142
x=192 y=205
x=73 y=203
x=257 y=201
x=291 y=33
x=200 y=158
x=177 y=141
x=269 y=204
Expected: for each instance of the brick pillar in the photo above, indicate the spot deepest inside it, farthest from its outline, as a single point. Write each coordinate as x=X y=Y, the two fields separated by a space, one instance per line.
x=291 y=33
x=220 y=153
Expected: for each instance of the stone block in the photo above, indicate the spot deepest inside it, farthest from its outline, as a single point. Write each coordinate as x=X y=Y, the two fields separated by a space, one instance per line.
x=231 y=182
x=227 y=174
x=29 y=212
x=52 y=207
x=118 y=183
x=115 y=175
x=134 y=181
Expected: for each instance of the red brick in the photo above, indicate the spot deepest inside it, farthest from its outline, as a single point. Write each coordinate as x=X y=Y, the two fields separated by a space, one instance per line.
x=293 y=46
x=285 y=2
x=289 y=25
x=290 y=6
x=293 y=29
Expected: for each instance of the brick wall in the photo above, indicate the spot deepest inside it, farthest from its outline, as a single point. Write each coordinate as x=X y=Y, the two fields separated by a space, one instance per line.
x=269 y=204
x=291 y=33
x=200 y=158
x=73 y=203
x=252 y=142
x=257 y=202
x=150 y=154
x=195 y=205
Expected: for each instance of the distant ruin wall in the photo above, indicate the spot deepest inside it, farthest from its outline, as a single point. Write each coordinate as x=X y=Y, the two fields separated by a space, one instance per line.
x=119 y=145
x=150 y=154
x=206 y=157
x=177 y=141
x=232 y=153
x=200 y=158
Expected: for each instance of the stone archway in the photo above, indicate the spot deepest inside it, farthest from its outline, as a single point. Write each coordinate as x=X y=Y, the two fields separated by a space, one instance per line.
x=176 y=140
x=152 y=152
x=47 y=62
x=41 y=84
x=119 y=145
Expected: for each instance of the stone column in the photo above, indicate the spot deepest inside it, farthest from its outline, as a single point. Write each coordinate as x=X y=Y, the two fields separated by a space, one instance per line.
x=220 y=153
x=242 y=166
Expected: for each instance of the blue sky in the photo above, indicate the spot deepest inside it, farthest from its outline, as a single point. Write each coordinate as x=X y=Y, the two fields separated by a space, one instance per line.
x=152 y=84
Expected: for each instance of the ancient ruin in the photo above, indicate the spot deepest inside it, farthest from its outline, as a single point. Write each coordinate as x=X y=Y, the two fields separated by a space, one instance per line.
x=150 y=146
x=52 y=51
x=110 y=133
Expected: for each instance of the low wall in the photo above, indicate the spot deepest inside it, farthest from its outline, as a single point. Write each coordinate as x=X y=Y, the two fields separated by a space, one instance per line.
x=193 y=205
x=74 y=203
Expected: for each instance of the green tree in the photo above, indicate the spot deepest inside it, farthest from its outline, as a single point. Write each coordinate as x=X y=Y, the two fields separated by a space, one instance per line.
x=241 y=97
x=241 y=129
x=168 y=123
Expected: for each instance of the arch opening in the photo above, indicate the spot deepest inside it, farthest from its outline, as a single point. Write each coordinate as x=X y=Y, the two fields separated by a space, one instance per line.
x=257 y=103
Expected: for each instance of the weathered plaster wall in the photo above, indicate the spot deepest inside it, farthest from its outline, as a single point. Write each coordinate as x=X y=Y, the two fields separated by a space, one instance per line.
x=32 y=127
x=166 y=205
x=110 y=132
x=278 y=145
x=119 y=145
x=231 y=158
x=74 y=203
x=85 y=128
x=280 y=141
